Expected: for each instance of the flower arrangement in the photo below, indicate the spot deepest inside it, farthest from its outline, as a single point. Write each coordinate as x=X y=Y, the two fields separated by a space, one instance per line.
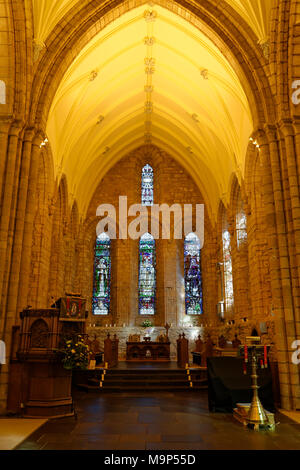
x=75 y=354
x=146 y=324
x=226 y=332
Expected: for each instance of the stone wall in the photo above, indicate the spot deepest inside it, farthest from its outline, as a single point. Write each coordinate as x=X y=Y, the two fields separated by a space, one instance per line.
x=123 y=334
x=172 y=185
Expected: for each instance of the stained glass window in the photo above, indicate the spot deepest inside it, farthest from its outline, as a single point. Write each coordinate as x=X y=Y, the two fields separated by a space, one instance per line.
x=147 y=275
x=147 y=186
x=192 y=275
x=102 y=272
x=241 y=225
x=227 y=263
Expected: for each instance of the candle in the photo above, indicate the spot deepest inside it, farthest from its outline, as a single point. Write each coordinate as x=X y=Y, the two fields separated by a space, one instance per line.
x=101 y=385
x=246 y=353
x=244 y=368
x=265 y=356
x=262 y=364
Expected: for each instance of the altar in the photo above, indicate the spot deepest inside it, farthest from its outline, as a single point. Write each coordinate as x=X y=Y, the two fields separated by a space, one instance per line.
x=148 y=351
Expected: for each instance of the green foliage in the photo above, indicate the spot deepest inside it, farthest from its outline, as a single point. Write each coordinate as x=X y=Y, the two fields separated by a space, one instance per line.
x=146 y=324
x=75 y=354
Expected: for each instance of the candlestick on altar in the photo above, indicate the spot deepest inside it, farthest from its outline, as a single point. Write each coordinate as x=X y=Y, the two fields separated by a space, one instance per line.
x=167 y=327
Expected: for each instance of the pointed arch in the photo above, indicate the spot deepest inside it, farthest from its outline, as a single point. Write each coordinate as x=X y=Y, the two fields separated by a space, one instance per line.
x=227 y=265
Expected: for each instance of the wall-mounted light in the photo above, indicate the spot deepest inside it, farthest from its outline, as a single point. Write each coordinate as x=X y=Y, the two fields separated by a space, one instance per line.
x=254 y=142
x=45 y=141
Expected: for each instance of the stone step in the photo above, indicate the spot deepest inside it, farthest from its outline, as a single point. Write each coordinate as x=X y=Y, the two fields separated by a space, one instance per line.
x=142 y=379
x=120 y=389
x=143 y=376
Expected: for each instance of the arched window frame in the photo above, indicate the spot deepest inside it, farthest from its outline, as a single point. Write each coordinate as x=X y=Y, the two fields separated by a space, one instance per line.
x=227 y=270
x=241 y=224
x=102 y=261
x=192 y=275
x=148 y=306
x=2 y=92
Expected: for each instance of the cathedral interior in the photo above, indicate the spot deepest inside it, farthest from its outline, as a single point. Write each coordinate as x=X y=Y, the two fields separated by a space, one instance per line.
x=199 y=106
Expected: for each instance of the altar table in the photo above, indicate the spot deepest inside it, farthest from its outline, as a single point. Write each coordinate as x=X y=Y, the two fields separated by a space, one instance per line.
x=148 y=351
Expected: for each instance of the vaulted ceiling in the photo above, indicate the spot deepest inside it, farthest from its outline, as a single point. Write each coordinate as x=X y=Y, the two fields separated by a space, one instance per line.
x=142 y=81
x=47 y=13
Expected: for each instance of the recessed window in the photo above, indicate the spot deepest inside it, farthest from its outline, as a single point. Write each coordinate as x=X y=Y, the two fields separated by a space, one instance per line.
x=147 y=275
x=2 y=92
x=228 y=278
x=192 y=275
x=147 y=186
x=102 y=275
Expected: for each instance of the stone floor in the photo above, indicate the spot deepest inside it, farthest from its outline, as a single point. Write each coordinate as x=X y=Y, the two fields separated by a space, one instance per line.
x=156 y=421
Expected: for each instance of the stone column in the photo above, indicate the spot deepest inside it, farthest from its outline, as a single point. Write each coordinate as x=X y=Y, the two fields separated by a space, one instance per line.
x=10 y=185
x=170 y=282
x=8 y=195
x=28 y=224
x=19 y=226
x=4 y=133
x=293 y=180
x=281 y=282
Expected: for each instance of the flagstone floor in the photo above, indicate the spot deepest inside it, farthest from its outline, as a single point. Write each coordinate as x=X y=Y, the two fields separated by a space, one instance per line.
x=156 y=421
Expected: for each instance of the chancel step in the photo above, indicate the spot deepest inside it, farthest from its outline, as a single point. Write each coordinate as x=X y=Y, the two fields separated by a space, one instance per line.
x=115 y=380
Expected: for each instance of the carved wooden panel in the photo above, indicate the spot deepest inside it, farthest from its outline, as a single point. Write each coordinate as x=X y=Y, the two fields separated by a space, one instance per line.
x=39 y=334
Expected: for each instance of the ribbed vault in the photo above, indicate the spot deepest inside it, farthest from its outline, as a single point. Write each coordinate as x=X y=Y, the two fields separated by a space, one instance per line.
x=150 y=78
x=47 y=13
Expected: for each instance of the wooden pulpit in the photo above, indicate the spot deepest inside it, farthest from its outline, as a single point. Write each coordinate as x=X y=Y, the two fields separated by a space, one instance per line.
x=39 y=386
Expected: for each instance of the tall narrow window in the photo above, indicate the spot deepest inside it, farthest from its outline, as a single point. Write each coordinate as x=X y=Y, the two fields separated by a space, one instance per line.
x=192 y=275
x=241 y=224
x=147 y=275
x=147 y=186
x=102 y=274
x=227 y=263
x=2 y=92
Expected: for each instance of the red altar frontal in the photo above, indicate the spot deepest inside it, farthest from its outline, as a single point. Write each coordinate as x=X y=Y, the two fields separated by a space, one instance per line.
x=148 y=351
x=39 y=386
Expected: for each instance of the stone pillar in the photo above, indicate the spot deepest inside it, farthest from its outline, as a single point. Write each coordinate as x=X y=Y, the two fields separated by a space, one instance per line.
x=8 y=195
x=19 y=226
x=28 y=224
x=280 y=272
x=4 y=133
x=170 y=282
